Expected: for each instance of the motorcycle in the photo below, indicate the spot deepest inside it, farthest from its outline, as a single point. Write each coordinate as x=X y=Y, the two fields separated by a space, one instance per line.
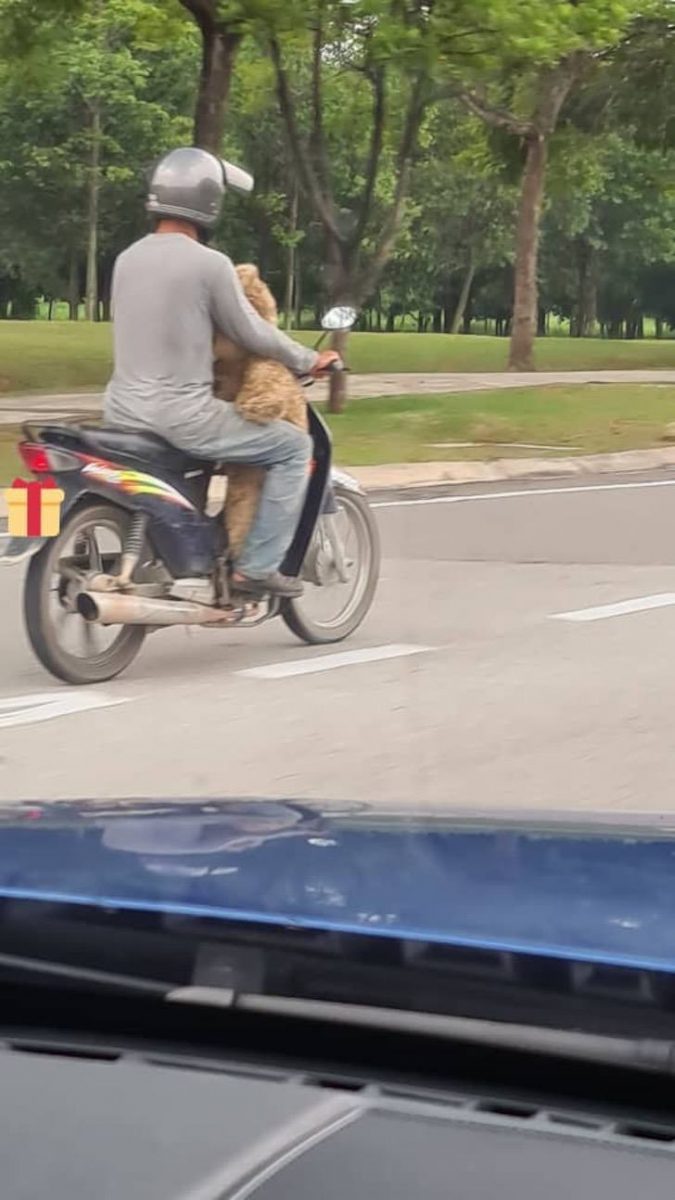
x=138 y=550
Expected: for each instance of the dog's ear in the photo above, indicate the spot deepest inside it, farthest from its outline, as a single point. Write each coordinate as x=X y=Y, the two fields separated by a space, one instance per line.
x=257 y=292
x=248 y=274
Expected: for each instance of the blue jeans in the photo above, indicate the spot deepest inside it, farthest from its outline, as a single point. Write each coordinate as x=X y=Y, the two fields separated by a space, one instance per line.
x=211 y=429
x=283 y=450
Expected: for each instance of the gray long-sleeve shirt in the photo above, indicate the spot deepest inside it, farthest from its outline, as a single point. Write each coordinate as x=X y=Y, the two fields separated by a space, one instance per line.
x=169 y=293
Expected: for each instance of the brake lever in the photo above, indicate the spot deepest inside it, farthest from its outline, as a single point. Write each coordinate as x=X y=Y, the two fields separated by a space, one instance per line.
x=333 y=368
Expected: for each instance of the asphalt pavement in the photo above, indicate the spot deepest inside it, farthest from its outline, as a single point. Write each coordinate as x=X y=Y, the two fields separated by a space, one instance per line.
x=517 y=656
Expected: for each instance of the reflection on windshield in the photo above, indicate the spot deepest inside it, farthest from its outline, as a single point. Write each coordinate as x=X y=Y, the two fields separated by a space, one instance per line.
x=279 y=862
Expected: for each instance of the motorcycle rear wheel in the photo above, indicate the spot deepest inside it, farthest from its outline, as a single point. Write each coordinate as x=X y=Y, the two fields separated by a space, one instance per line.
x=45 y=609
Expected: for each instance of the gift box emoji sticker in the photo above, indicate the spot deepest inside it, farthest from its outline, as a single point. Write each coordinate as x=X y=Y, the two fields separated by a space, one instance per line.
x=34 y=508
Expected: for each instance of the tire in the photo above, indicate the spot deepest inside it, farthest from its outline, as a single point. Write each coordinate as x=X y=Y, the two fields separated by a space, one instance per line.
x=315 y=633
x=40 y=624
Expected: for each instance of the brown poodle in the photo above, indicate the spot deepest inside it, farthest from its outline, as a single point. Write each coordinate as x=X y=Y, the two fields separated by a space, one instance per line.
x=262 y=391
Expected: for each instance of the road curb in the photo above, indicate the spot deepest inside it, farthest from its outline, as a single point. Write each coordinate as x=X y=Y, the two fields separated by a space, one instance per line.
x=411 y=475
x=415 y=475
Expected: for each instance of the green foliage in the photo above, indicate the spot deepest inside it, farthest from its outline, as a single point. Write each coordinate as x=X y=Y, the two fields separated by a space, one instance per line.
x=110 y=56
x=610 y=195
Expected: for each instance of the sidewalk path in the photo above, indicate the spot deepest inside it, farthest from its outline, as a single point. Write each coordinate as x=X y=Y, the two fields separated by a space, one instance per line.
x=36 y=407
x=14 y=409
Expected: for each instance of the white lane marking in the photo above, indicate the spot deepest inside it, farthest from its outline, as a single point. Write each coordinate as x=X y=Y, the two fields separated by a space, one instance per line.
x=602 y=611
x=553 y=491
x=44 y=706
x=329 y=662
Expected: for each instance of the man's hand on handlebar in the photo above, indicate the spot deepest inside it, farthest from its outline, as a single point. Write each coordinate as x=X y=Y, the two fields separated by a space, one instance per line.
x=325 y=361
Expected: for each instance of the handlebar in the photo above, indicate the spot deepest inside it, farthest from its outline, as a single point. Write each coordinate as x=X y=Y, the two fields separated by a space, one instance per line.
x=332 y=369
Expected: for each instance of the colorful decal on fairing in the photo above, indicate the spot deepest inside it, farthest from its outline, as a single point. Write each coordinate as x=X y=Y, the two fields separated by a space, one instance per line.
x=133 y=483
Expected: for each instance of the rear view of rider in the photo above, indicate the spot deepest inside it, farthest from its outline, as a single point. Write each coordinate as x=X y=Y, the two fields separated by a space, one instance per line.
x=170 y=291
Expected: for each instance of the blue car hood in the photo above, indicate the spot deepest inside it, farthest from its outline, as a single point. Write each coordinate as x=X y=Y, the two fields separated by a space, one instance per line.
x=594 y=891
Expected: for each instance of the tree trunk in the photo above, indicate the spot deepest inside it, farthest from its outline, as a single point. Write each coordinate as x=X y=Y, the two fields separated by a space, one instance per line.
x=74 y=287
x=541 y=321
x=91 y=287
x=378 y=311
x=658 y=327
x=521 y=352
x=290 y=259
x=50 y=310
x=264 y=251
x=219 y=49
x=587 y=297
x=460 y=308
x=337 y=380
x=297 y=298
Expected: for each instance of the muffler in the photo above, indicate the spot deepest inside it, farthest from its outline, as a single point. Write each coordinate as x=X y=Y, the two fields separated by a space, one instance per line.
x=107 y=608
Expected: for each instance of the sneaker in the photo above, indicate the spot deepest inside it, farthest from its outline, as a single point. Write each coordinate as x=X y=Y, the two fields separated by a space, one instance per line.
x=274 y=584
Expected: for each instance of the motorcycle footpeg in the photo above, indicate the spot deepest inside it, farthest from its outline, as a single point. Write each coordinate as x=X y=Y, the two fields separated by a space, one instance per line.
x=239 y=614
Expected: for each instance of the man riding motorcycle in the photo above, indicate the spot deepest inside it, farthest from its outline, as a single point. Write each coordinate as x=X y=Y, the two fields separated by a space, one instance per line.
x=170 y=292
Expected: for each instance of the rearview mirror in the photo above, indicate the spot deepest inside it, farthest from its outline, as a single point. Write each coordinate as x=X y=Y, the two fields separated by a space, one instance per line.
x=339 y=318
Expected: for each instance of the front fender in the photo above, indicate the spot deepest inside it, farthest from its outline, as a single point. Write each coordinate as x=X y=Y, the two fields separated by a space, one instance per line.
x=342 y=479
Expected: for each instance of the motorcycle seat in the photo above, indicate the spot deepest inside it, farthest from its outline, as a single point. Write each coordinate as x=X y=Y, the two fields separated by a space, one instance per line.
x=147 y=448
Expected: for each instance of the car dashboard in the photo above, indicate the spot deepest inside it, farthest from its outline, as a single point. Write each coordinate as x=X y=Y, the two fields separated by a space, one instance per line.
x=82 y=1121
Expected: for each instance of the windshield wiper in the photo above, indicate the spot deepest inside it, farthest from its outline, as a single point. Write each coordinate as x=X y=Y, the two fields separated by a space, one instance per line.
x=655 y=1055
x=644 y=1054
x=69 y=973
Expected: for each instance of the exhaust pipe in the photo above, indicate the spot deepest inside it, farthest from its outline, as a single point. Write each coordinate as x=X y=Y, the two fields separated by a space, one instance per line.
x=106 y=608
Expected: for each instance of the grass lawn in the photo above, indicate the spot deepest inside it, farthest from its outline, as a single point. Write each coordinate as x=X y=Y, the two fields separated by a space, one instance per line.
x=60 y=356
x=587 y=418
x=10 y=463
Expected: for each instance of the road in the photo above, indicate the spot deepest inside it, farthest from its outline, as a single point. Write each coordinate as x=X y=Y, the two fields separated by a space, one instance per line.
x=492 y=701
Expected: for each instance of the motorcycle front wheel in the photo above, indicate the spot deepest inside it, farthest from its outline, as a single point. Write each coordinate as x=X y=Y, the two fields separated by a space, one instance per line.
x=72 y=649
x=341 y=571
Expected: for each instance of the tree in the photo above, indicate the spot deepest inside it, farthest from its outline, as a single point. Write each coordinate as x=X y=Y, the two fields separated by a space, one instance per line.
x=608 y=235
x=378 y=59
x=461 y=217
x=221 y=27
x=549 y=46
x=77 y=130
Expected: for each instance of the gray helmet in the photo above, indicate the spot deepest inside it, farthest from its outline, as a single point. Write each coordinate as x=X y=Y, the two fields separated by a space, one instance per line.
x=190 y=184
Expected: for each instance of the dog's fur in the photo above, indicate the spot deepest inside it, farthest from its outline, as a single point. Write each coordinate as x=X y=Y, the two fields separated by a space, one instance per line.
x=262 y=391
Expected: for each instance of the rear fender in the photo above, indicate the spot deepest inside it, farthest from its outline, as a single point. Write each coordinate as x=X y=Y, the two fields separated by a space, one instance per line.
x=15 y=550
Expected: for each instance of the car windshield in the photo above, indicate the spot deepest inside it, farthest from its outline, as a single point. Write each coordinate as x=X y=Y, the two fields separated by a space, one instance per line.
x=337 y=358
